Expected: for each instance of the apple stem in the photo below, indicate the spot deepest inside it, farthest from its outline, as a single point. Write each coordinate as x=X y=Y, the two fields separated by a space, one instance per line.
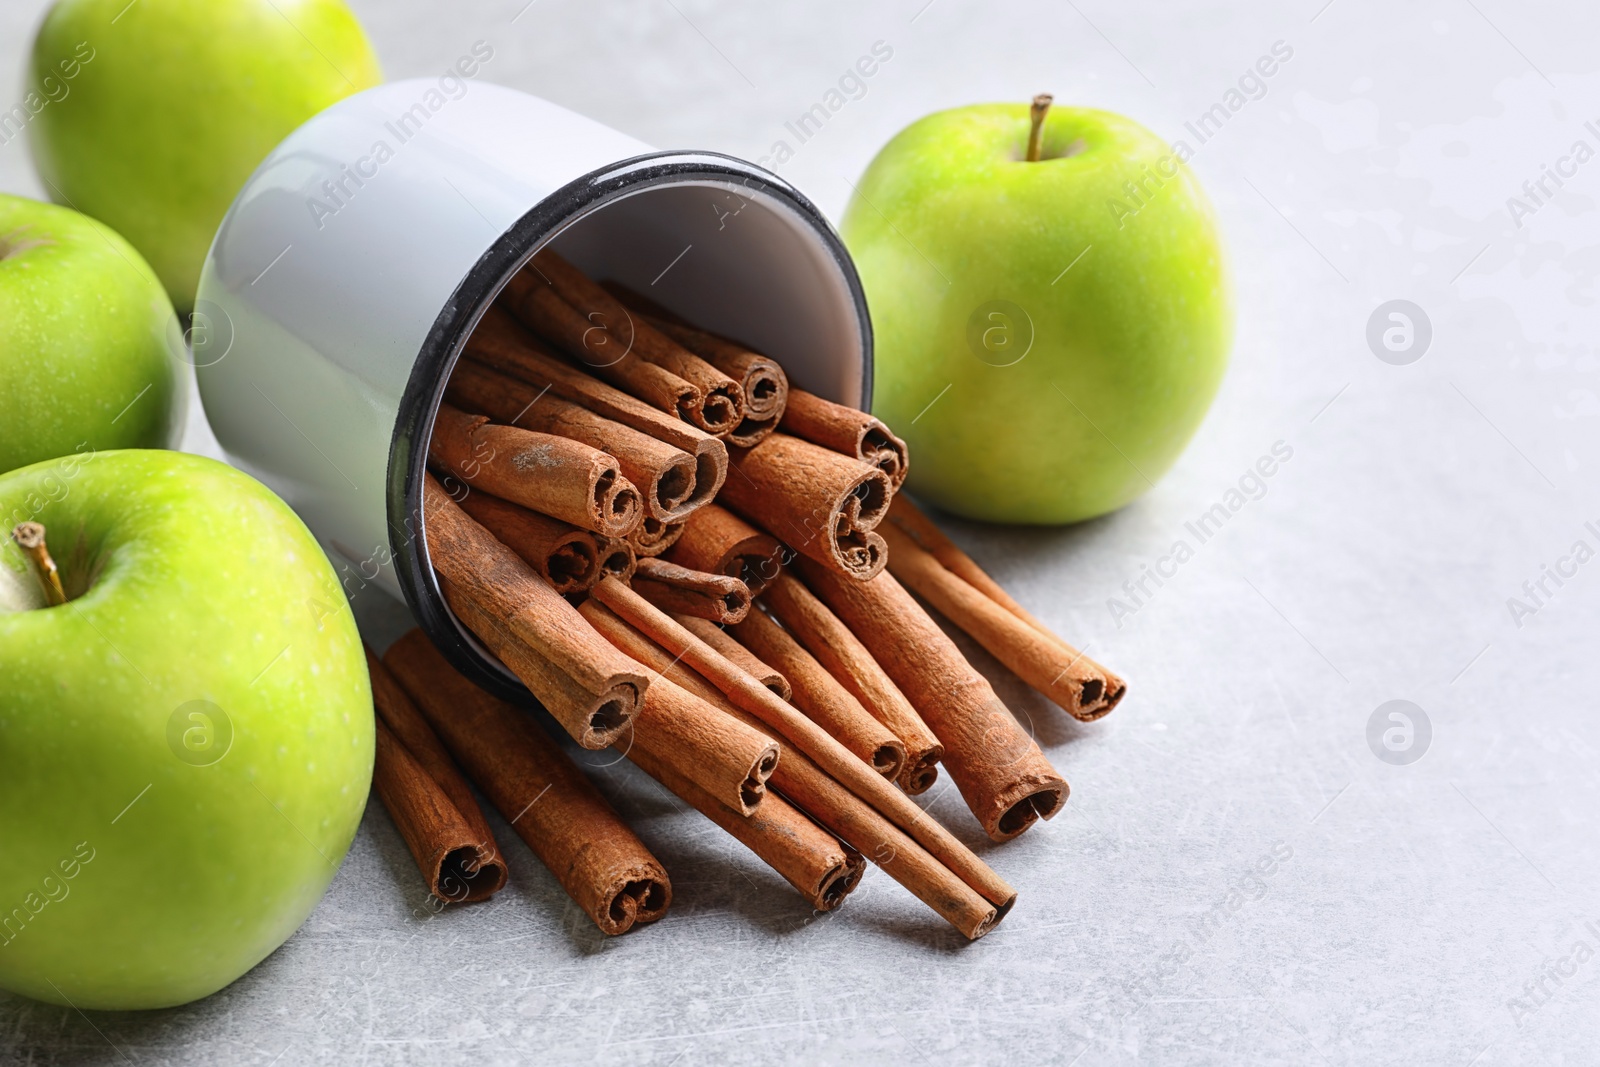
x=1041 y=104
x=29 y=537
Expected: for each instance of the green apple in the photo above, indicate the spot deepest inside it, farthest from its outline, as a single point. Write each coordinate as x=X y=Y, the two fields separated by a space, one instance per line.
x=89 y=345
x=151 y=115
x=186 y=742
x=1049 y=333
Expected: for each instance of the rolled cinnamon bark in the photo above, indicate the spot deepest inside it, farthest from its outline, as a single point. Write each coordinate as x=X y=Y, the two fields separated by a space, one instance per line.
x=1070 y=681
x=818 y=502
x=841 y=652
x=746 y=693
x=708 y=596
x=652 y=537
x=555 y=476
x=715 y=539
x=565 y=556
x=579 y=677
x=822 y=869
x=664 y=475
x=764 y=385
x=846 y=430
x=911 y=520
x=499 y=342
x=601 y=863
x=722 y=406
x=439 y=817
x=618 y=559
x=855 y=821
x=1003 y=776
x=817 y=693
x=742 y=657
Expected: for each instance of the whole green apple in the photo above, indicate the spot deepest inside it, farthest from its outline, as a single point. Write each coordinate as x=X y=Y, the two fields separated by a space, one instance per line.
x=151 y=115
x=186 y=742
x=1049 y=333
x=89 y=345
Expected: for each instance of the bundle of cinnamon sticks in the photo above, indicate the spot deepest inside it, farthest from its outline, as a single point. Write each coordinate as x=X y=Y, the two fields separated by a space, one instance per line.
x=688 y=559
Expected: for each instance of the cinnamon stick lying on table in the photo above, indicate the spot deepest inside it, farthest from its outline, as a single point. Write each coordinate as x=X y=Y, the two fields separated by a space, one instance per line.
x=697 y=740
x=846 y=430
x=601 y=863
x=715 y=539
x=841 y=652
x=665 y=475
x=910 y=519
x=1071 y=681
x=553 y=475
x=500 y=342
x=431 y=804
x=806 y=736
x=708 y=596
x=817 y=693
x=725 y=644
x=818 y=502
x=589 y=688
x=652 y=537
x=565 y=556
x=852 y=819
x=1003 y=776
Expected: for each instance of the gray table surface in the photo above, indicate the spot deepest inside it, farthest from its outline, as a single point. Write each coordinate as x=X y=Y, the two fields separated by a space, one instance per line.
x=1420 y=905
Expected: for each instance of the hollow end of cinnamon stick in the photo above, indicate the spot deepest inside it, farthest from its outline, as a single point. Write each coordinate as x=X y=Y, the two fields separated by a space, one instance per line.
x=714 y=597
x=918 y=775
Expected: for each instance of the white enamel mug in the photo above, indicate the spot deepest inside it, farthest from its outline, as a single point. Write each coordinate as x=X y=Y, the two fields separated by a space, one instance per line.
x=359 y=256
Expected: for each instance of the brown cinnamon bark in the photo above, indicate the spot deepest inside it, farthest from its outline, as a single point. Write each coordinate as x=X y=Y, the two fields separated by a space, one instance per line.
x=911 y=520
x=708 y=596
x=764 y=385
x=746 y=693
x=818 y=502
x=565 y=556
x=499 y=342
x=817 y=693
x=723 y=407
x=855 y=821
x=555 y=476
x=742 y=657
x=580 y=679
x=1070 y=681
x=844 y=429
x=715 y=539
x=437 y=815
x=841 y=652
x=652 y=537
x=1003 y=776
x=618 y=559
x=601 y=863
x=663 y=474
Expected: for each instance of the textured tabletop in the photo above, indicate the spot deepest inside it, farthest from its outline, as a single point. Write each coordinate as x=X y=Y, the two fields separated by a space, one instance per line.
x=1237 y=877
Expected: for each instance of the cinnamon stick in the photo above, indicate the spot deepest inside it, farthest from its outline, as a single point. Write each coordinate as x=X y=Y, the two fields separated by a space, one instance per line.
x=1003 y=776
x=665 y=475
x=1070 y=681
x=431 y=804
x=709 y=596
x=652 y=537
x=553 y=475
x=722 y=399
x=762 y=382
x=817 y=693
x=579 y=678
x=846 y=430
x=565 y=556
x=748 y=694
x=715 y=539
x=855 y=821
x=601 y=863
x=725 y=644
x=911 y=520
x=841 y=652
x=618 y=559
x=499 y=342
x=818 y=502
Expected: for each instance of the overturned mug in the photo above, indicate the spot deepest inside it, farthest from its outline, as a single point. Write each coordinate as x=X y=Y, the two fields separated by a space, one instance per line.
x=358 y=258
